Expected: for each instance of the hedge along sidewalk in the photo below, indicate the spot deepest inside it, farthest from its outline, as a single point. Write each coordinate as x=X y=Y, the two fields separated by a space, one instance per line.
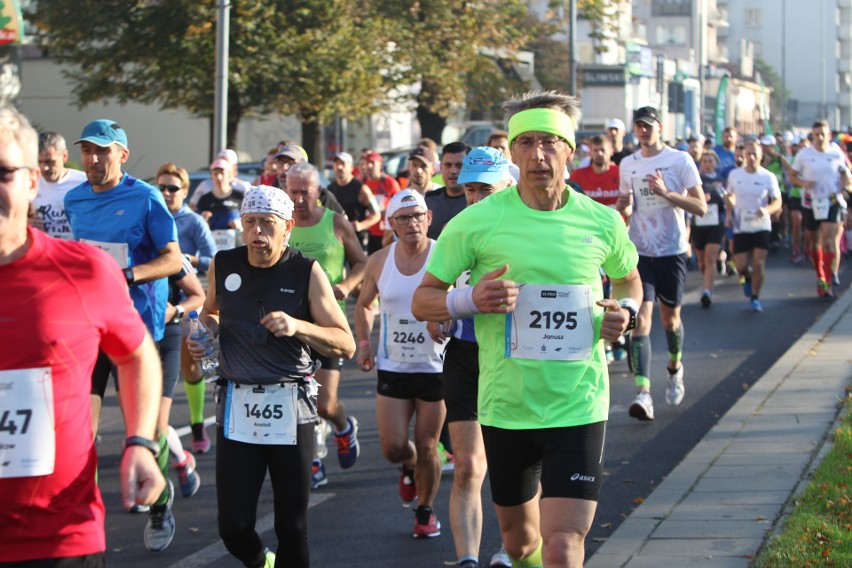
x=720 y=503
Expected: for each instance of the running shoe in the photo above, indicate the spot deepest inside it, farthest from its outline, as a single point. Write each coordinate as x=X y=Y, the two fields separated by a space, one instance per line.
x=136 y=509
x=318 y=477
x=835 y=279
x=348 y=448
x=642 y=407
x=469 y=564
x=428 y=529
x=747 y=288
x=500 y=558
x=188 y=478
x=721 y=265
x=270 y=559
x=407 y=487
x=448 y=460
x=706 y=299
x=160 y=529
x=321 y=431
x=756 y=306
x=200 y=441
x=823 y=288
x=674 y=389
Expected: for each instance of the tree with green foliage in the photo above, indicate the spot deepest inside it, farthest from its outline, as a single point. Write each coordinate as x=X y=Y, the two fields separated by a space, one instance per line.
x=439 y=46
x=552 y=56
x=315 y=59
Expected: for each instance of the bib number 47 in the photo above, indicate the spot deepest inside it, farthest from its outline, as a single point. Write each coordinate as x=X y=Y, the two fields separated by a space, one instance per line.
x=553 y=320
x=8 y=424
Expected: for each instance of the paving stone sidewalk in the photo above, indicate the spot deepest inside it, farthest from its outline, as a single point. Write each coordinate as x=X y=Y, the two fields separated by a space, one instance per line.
x=719 y=505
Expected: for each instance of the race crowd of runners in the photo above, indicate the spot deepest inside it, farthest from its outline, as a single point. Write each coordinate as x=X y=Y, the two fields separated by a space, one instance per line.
x=493 y=352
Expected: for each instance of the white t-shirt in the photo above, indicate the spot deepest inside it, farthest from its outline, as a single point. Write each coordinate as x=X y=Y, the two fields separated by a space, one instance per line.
x=753 y=191
x=50 y=202
x=206 y=186
x=657 y=228
x=822 y=168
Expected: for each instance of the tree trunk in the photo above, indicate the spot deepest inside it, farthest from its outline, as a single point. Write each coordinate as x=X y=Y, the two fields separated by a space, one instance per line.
x=312 y=140
x=431 y=124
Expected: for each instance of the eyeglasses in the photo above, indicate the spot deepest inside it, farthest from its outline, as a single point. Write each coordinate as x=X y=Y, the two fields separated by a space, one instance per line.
x=169 y=188
x=406 y=219
x=527 y=142
x=7 y=173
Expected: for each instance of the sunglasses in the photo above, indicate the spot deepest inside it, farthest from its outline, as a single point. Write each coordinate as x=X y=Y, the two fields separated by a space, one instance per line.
x=169 y=188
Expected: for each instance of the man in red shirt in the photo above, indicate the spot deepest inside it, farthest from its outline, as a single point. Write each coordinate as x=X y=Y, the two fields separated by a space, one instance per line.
x=60 y=302
x=600 y=179
x=383 y=187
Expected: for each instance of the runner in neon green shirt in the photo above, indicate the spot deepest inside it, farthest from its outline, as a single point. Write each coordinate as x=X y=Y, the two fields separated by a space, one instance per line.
x=534 y=252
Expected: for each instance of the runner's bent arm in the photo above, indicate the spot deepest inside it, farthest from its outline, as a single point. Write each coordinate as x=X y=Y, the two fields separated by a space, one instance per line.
x=491 y=295
x=615 y=321
x=354 y=254
x=368 y=200
x=166 y=264
x=329 y=332
x=693 y=202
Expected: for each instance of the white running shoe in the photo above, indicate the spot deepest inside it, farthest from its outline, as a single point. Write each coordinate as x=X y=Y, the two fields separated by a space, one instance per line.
x=675 y=390
x=500 y=558
x=642 y=407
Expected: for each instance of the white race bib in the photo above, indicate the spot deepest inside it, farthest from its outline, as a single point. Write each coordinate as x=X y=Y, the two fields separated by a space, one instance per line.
x=711 y=218
x=118 y=251
x=821 y=205
x=407 y=341
x=750 y=222
x=644 y=198
x=27 y=435
x=261 y=414
x=551 y=322
x=226 y=239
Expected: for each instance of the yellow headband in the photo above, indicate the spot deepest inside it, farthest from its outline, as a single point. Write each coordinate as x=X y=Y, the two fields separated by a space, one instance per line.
x=542 y=120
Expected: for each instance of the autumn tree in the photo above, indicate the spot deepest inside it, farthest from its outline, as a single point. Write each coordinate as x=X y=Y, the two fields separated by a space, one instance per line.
x=316 y=59
x=439 y=46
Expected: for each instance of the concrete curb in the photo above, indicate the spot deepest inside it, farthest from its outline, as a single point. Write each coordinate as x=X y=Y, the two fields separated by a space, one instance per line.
x=720 y=504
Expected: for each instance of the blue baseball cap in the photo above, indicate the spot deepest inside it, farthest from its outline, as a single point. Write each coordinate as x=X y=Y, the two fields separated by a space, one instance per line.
x=103 y=132
x=484 y=165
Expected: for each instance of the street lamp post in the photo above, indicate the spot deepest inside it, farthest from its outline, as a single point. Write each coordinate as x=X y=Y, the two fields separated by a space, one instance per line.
x=220 y=110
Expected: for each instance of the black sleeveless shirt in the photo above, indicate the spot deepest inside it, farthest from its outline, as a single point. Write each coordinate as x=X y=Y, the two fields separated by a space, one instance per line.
x=248 y=352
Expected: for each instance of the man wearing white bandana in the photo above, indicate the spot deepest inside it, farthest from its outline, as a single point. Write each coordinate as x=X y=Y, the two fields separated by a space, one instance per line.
x=541 y=323
x=269 y=306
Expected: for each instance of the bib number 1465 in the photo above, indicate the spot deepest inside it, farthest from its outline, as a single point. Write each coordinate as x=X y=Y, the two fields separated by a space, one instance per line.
x=269 y=411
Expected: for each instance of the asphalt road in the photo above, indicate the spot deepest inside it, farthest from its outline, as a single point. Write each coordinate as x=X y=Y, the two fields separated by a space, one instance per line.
x=357 y=519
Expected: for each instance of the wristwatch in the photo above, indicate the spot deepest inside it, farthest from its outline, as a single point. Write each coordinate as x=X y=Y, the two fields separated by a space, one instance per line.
x=179 y=313
x=151 y=445
x=632 y=308
x=128 y=275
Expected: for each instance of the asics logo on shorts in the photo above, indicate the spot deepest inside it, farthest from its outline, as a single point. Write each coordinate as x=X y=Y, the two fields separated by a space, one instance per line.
x=578 y=477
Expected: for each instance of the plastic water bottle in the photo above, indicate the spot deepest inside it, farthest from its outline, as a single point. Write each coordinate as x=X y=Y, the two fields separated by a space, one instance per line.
x=199 y=333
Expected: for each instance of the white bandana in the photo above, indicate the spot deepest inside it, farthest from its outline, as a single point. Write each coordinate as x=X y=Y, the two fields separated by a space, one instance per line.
x=267 y=199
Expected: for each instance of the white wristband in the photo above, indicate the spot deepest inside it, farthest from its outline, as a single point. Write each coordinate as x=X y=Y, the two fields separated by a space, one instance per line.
x=460 y=303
